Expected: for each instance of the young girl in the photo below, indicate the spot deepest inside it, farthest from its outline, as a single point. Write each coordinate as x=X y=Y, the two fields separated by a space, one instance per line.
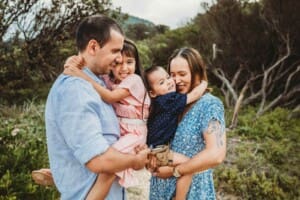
x=166 y=106
x=130 y=101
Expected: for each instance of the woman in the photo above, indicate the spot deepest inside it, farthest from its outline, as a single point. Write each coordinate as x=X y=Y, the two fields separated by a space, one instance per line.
x=200 y=134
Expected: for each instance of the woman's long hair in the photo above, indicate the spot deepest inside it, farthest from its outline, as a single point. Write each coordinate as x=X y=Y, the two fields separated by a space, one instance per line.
x=194 y=60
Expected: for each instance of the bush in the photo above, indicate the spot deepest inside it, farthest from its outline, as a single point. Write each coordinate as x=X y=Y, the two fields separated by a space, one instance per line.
x=23 y=149
x=263 y=157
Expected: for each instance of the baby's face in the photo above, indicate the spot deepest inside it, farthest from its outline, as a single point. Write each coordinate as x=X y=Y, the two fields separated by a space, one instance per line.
x=161 y=83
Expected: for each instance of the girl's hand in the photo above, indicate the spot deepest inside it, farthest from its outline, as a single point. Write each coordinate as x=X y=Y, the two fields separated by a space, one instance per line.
x=73 y=67
x=74 y=61
x=73 y=71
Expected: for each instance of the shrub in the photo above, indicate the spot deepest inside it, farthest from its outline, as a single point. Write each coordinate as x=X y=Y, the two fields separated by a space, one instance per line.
x=263 y=157
x=23 y=149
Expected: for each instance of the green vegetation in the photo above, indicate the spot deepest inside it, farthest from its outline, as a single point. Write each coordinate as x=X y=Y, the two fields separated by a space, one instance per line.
x=262 y=160
x=251 y=49
x=263 y=157
x=23 y=149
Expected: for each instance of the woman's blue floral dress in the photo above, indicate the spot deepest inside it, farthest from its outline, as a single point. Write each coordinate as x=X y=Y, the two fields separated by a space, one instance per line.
x=189 y=141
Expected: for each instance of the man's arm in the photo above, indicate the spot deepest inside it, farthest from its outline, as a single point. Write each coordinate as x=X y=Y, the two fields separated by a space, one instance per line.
x=112 y=161
x=84 y=134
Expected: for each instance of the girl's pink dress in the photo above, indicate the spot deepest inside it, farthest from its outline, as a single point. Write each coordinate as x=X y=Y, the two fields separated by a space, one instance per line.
x=132 y=112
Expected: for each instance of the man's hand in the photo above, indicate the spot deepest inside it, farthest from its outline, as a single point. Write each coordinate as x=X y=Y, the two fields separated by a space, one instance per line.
x=141 y=159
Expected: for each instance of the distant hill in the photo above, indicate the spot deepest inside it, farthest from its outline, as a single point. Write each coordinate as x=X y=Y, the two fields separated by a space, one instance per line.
x=138 y=29
x=131 y=20
x=136 y=20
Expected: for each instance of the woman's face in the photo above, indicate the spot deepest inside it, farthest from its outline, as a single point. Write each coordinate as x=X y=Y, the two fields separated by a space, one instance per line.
x=181 y=73
x=124 y=68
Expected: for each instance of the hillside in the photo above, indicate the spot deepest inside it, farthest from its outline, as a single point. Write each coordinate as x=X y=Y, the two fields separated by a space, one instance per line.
x=136 y=20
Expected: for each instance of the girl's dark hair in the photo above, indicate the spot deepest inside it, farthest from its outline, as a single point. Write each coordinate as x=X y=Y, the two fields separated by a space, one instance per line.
x=97 y=27
x=130 y=50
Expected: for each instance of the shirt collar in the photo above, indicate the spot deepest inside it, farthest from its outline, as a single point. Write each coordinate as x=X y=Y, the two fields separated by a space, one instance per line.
x=96 y=78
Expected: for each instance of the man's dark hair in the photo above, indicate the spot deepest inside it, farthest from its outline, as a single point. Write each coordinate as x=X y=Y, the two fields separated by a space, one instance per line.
x=95 y=27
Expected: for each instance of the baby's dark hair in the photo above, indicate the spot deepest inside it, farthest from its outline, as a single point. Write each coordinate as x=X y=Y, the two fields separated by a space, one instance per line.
x=147 y=73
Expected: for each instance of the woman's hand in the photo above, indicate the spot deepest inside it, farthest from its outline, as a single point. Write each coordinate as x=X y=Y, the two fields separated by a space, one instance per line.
x=163 y=172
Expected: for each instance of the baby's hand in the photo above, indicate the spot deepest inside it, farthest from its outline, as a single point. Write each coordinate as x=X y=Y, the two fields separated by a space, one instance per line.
x=74 y=61
x=204 y=83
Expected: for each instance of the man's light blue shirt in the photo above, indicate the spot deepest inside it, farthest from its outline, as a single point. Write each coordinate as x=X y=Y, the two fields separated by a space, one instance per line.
x=79 y=126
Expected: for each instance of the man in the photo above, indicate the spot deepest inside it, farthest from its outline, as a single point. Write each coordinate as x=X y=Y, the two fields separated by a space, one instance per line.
x=80 y=126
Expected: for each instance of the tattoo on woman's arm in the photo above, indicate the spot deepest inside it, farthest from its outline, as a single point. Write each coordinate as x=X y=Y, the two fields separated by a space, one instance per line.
x=214 y=127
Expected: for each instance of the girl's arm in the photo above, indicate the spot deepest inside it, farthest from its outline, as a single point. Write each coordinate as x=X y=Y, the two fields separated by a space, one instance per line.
x=109 y=96
x=197 y=92
x=73 y=69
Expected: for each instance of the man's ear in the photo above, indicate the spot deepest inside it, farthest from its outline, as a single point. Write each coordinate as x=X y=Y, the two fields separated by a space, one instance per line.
x=92 y=46
x=152 y=94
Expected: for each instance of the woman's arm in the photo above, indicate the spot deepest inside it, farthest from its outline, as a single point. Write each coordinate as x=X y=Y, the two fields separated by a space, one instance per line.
x=197 y=92
x=213 y=154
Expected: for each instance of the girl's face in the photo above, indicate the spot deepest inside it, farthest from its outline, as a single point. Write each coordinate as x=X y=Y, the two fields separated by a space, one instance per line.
x=124 y=68
x=161 y=83
x=181 y=73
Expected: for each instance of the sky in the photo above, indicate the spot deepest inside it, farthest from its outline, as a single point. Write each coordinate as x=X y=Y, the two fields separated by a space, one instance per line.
x=173 y=13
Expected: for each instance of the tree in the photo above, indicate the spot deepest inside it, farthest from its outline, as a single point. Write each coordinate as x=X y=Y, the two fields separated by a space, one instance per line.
x=37 y=36
x=252 y=55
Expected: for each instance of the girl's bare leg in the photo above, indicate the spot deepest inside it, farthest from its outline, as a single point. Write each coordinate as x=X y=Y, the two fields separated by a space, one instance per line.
x=101 y=187
x=184 y=182
x=183 y=186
